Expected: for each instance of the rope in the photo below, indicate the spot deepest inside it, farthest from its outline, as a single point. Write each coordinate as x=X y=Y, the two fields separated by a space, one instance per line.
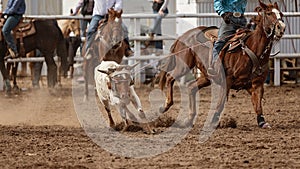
x=171 y=54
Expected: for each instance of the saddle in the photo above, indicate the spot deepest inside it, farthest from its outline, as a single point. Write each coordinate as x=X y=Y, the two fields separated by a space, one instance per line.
x=208 y=34
x=235 y=42
x=23 y=29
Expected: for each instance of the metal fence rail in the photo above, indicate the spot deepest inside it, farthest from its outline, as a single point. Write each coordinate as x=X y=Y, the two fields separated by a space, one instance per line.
x=135 y=30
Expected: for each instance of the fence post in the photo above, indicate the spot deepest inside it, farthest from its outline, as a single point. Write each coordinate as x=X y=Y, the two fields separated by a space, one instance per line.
x=276 y=71
x=137 y=52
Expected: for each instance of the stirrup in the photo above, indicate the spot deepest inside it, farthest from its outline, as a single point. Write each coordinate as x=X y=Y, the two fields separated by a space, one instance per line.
x=211 y=72
x=13 y=54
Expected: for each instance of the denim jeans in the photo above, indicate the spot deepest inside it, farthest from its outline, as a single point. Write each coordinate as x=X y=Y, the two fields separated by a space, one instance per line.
x=10 y=23
x=83 y=26
x=156 y=28
x=92 y=29
x=225 y=31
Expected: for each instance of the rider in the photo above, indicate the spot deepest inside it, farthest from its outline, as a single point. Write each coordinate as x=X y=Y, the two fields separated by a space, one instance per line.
x=85 y=9
x=100 y=10
x=14 y=11
x=159 y=7
x=232 y=12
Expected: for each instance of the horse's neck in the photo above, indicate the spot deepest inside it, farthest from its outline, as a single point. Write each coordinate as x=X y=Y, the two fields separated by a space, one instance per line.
x=64 y=28
x=258 y=41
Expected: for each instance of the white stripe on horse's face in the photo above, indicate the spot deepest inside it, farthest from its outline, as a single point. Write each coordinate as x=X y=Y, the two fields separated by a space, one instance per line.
x=280 y=25
x=116 y=19
x=277 y=13
x=278 y=16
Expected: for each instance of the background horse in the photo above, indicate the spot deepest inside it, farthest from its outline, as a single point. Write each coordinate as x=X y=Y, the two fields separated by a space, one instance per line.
x=48 y=39
x=108 y=45
x=244 y=67
x=73 y=42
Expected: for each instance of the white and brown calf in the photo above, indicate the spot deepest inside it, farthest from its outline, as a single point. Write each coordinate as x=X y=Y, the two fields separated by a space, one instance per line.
x=114 y=87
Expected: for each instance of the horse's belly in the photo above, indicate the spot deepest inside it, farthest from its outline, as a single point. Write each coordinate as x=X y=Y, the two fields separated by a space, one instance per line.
x=241 y=84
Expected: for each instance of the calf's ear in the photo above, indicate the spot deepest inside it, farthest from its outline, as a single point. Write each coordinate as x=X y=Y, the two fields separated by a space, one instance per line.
x=103 y=71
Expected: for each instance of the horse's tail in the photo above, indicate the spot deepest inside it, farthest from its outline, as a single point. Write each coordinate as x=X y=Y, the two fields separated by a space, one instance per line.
x=167 y=66
x=61 y=49
x=162 y=79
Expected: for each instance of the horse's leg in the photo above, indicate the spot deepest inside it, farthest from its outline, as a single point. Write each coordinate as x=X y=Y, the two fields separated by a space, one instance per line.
x=9 y=70
x=36 y=74
x=23 y=69
x=51 y=70
x=71 y=71
x=86 y=80
x=5 y=75
x=169 y=100
x=14 y=76
x=257 y=92
x=193 y=87
x=170 y=80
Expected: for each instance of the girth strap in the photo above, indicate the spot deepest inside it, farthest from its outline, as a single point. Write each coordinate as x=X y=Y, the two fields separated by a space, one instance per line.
x=256 y=68
x=252 y=56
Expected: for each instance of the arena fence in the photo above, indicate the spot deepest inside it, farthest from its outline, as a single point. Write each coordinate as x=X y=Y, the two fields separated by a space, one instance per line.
x=135 y=30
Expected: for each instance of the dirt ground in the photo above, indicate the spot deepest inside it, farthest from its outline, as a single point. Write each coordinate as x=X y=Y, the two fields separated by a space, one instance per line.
x=40 y=129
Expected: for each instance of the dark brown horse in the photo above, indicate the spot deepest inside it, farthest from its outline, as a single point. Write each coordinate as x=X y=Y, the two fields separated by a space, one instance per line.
x=108 y=45
x=243 y=64
x=48 y=39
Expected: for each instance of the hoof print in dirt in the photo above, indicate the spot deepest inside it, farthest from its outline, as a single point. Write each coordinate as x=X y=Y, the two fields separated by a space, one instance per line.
x=227 y=122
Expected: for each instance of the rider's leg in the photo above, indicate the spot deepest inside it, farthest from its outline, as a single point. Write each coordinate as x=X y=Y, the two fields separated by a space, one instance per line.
x=218 y=45
x=11 y=22
x=224 y=34
x=83 y=27
x=224 y=31
x=91 y=34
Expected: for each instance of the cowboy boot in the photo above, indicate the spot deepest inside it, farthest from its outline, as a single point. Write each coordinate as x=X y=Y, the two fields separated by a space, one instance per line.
x=212 y=70
x=12 y=55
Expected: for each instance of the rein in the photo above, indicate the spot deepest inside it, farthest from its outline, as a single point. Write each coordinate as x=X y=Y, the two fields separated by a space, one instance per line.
x=258 y=68
x=272 y=29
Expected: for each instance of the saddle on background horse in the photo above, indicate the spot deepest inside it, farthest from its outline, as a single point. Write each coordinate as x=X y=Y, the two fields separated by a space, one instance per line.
x=23 y=29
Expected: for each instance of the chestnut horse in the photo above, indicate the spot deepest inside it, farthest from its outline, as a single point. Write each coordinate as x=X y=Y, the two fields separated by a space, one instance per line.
x=108 y=45
x=243 y=63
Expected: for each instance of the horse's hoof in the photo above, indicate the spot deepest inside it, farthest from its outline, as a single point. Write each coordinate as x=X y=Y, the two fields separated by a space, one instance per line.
x=152 y=131
x=266 y=126
x=161 y=110
x=8 y=94
x=36 y=87
x=16 y=89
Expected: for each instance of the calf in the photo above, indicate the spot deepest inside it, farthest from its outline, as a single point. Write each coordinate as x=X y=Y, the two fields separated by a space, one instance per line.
x=114 y=86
